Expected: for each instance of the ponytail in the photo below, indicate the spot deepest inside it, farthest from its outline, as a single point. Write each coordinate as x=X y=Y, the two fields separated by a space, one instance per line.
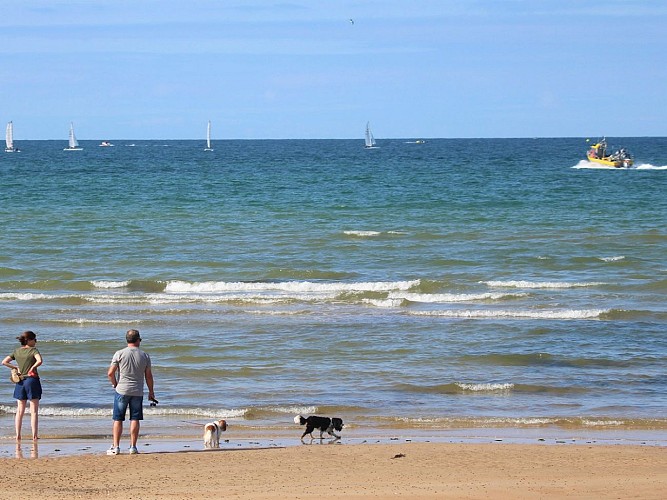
x=26 y=336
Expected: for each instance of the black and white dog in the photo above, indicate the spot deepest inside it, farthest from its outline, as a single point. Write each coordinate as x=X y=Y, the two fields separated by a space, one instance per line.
x=212 y=432
x=324 y=424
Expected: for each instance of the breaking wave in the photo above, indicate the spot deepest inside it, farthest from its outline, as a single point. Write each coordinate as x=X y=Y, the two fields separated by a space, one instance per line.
x=288 y=286
x=110 y=284
x=514 y=314
x=540 y=284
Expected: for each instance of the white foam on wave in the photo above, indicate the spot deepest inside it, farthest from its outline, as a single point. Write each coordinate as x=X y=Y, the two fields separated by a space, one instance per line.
x=210 y=298
x=59 y=411
x=297 y=410
x=486 y=387
x=89 y=298
x=67 y=341
x=201 y=412
x=362 y=234
x=109 y=284
x=118 y=299
x=613 y=259
x=249 y=297
x=182 y=292
x=276 y=313
x=530 y=420
x=514 y=314
x=386 y=303
x=56 y=411
x=420 y=420
x=88 y=321
x=25 y=296
x=539 y=284
x=287 y=286
x=478 y=421
x=453 y=297
x=600 y=423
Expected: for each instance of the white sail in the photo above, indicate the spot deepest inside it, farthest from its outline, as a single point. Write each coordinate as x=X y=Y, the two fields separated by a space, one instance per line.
x=73 y=143
x=10 y=147
x=208 y=137
x=370 y=140
x=9 y=138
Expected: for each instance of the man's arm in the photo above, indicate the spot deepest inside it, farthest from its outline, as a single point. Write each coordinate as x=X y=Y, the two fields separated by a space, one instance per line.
x=111 y=373
x=149 y=383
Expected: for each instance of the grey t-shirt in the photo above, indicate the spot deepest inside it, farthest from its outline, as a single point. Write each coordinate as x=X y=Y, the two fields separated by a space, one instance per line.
x=132 y=363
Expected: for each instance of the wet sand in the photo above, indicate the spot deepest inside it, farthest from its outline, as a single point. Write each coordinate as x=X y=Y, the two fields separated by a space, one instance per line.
x=338 y=469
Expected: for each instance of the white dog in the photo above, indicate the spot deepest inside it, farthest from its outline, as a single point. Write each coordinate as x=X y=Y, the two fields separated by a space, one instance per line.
x=212 y=433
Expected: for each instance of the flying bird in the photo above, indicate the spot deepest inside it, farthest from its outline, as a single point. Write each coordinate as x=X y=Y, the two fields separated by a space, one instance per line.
x=351 y=21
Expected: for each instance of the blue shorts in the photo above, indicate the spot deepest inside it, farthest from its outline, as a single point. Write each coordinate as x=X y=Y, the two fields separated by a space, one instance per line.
x=120 y=404
x=28 y=388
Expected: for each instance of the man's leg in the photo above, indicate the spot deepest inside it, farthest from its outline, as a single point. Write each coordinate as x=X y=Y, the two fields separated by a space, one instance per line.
x=117 y=432
x=136 y=415
x=134 y=431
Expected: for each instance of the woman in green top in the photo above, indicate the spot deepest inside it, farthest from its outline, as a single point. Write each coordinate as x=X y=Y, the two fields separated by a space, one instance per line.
x=27 y=358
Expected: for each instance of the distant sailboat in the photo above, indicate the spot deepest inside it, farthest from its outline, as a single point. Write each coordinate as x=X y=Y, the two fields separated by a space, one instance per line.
x=9 y=139
x=73 y=143
x=370 y=140
x=208 y=137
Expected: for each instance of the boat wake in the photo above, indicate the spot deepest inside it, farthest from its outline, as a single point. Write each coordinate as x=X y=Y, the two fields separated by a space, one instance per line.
x=585 y=164
x=648 y=166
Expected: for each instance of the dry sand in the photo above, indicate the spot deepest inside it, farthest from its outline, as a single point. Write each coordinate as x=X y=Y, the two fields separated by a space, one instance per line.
x=408 y=470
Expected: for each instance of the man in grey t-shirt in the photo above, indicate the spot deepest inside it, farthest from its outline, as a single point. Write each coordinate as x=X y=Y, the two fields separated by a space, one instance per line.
x=133 y=367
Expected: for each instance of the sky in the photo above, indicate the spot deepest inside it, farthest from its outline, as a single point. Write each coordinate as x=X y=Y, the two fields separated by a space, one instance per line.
x=311 y=69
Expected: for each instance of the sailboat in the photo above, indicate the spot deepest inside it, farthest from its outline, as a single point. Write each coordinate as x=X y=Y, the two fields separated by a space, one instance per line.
x=73 y=143
x=370 y=140
x=208 y=137
x=9 y=139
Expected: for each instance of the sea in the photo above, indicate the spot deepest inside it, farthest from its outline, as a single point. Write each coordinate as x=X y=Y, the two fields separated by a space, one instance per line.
x=444 y=287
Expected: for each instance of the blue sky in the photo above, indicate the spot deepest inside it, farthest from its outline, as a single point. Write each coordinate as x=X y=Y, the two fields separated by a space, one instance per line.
x=149 y=69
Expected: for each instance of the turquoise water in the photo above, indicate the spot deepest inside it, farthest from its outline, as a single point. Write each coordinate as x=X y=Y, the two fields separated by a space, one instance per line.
x=457 y=283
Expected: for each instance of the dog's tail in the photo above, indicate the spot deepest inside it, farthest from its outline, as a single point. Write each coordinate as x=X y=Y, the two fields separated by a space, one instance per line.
x=299 y=420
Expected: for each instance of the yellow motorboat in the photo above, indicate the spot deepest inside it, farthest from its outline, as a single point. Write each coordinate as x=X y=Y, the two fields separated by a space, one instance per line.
x=619 y=159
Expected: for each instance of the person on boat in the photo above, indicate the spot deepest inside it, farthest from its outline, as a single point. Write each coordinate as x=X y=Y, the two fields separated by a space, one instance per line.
x=602 y=148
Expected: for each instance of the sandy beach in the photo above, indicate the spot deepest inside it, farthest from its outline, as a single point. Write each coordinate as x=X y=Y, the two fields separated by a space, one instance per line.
x=408 y=470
